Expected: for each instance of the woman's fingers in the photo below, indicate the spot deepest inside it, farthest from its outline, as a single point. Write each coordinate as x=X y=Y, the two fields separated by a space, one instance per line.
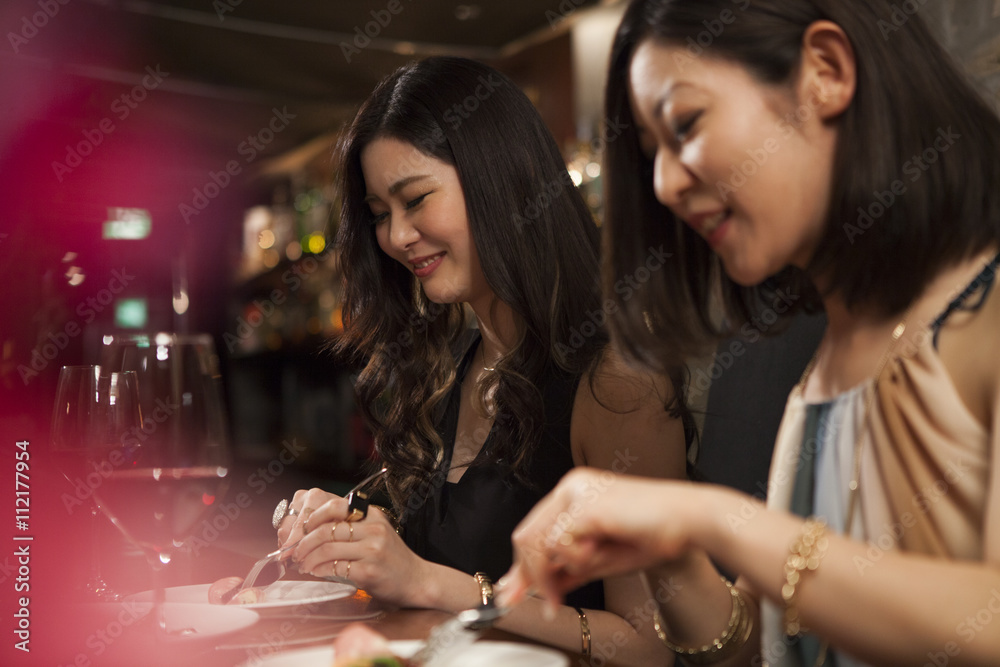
x=326 y=544
x=334 y=508
x=303 y=509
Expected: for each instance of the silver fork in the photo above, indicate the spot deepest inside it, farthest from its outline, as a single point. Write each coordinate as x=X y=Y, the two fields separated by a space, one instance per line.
x=454 y=635
x=259 y=566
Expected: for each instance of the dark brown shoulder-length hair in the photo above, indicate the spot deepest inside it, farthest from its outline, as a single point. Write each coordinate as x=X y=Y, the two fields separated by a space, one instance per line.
x=914 y=120
x=537 y=242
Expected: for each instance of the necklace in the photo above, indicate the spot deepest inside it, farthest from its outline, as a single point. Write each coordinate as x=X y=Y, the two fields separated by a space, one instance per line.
x=482 y=349
x=852 y=488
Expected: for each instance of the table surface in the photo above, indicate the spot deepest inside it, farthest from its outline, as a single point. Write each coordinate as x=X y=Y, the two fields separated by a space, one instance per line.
x=117 y=634
x=280 y=629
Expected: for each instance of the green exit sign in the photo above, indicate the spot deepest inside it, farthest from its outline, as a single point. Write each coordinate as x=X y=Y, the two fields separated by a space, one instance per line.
x=127 y=224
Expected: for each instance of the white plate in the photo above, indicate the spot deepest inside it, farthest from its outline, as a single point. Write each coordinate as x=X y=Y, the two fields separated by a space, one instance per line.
x=205 y=621
x=279 y=594
x=480 y=654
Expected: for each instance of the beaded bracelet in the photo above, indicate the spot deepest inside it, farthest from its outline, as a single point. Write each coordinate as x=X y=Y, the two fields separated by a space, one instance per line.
x=731 y=640
x=584 y=633
x=804 y=555
x=485 y=587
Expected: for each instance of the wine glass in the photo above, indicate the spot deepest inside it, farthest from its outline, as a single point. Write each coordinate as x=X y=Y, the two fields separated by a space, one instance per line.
x=181 y=457
x=93 y=412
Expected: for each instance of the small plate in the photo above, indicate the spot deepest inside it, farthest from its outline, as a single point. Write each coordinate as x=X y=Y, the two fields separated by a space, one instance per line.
x=480 y=654
x=279 y=594
x=205 y=622
x=179 y=617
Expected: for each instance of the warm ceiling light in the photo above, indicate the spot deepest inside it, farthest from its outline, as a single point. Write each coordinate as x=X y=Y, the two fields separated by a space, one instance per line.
x=467 y=12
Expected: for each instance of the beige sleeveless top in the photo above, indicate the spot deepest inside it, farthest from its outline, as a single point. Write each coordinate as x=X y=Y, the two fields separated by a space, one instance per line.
x=925 y=476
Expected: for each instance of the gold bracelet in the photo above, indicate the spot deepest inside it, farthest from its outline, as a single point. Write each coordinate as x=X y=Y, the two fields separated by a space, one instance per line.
x=584 y=633
x=805 y=554
x=485 y=586
x=390 y=515
x=731 y=640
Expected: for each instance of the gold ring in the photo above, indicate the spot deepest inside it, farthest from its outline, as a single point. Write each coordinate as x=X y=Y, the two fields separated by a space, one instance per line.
x=351 y=538
x=348 y=575
x=335 y=567
x=333 y=532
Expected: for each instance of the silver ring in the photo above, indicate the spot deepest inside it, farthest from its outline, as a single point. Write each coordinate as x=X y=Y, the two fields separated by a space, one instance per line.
x=280 y=512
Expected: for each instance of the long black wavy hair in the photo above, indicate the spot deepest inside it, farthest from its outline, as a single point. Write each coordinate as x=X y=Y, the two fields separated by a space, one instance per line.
x=537 y=242
x=908 y=93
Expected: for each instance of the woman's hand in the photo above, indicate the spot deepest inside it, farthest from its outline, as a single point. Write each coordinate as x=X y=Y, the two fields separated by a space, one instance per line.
x=596 y=524
x=369 y=552
x=303 y=504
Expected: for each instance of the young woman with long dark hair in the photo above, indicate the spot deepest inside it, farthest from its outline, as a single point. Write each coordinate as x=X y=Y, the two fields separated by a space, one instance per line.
x=830 y=149
x=456 y=200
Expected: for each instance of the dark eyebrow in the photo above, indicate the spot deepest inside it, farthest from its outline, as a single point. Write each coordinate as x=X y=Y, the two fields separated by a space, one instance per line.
x=399 y=185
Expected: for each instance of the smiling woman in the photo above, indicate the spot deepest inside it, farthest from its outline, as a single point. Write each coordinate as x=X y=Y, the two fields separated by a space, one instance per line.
x=421 y=222
x=442 y=176
x=879 y=541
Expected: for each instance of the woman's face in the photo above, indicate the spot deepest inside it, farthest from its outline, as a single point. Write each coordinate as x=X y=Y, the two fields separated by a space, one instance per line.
x=421 y=221
x=745 y=165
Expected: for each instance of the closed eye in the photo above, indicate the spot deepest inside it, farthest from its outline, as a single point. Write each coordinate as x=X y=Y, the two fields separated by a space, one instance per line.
x=413 y=203
x=685 y=126
x=379 y=217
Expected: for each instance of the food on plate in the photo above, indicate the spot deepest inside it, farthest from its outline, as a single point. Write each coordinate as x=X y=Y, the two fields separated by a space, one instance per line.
x=226 y=591
x=360 y=646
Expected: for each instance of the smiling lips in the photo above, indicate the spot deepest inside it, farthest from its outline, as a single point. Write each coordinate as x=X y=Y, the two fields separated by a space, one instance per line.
x=424 y=266
x=711 y=227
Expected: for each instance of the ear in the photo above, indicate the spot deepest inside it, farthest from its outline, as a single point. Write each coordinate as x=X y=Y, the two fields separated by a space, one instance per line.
x=828 y=71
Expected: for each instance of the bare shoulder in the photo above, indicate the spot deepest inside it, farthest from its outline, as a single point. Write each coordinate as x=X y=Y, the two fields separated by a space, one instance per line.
x=620 y=419
x=970 y=348
x=620 y=386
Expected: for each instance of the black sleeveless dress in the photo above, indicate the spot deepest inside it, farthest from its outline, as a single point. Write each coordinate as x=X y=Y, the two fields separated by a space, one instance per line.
x=467 y=525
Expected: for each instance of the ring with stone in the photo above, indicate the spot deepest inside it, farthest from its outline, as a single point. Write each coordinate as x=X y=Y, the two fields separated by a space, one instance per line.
x=280 y=512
